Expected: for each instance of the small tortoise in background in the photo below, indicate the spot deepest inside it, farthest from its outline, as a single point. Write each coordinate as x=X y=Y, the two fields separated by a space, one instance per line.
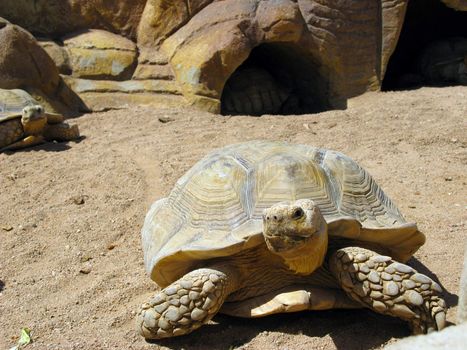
x=24 y=122
x=260 y=228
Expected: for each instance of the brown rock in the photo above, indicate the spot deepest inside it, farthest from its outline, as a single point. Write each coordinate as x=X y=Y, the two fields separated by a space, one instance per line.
x=24 y=63
x=58 y=17
x=98 y=54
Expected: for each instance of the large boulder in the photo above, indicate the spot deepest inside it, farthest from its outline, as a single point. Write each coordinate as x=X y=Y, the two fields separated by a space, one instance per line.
x=26 y=65
x=335 y=42
x=98 y=54
x=55 y=18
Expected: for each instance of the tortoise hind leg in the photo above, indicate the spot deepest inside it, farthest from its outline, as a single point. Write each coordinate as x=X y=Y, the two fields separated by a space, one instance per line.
x=185 y=305
x=390 y=288
x=61 y=132
x=28 y=141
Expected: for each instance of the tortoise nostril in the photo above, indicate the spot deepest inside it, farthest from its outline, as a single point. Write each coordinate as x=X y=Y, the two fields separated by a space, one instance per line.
x=275 y=217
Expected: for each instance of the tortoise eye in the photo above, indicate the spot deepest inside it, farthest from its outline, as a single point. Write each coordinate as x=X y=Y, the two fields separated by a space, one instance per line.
x=298 y=213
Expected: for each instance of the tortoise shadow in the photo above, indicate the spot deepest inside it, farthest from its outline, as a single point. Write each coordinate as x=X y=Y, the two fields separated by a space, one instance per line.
x=348 y=329
x=48 y=147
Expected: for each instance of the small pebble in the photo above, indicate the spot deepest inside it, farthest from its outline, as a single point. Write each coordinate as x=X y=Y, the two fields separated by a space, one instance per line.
x=85 y=270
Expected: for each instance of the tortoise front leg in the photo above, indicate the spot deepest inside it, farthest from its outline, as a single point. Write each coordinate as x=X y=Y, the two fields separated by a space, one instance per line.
x=390 y=288
x=28 y=141
x=186 y=304
x=61 y=132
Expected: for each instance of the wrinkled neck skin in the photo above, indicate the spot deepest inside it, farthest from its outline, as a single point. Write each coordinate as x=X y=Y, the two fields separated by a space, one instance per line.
x=34 y=127
x=298 y=233
x=309 y=256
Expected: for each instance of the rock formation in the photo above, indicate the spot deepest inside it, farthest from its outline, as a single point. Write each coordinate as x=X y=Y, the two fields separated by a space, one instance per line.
x=183 y=52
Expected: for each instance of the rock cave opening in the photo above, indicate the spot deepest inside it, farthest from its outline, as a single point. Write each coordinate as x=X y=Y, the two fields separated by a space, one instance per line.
x=276 y=78
x=431 y=50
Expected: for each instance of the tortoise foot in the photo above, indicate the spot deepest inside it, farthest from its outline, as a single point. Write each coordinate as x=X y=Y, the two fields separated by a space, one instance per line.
x=390 y=288
x=183 y=306
x=61 y=132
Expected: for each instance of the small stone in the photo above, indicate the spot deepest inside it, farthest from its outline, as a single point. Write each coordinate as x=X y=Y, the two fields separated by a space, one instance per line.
x=374 y=286
x=370 y=264
x=364 y=268
x=85 y=270
x=7 y=228
x=418 y=277
x=408 y=284
x=198 y=314
x=401 y=267
x=172 y=314
x=448 y=178
x=390 y=269
x=170 y=290
x=79 y=199
x=150 y=318
x=85 y=258
x=208 y=287
x=413 y=297
x=187 y=284
x=373 y=277
x=441 y=303
x=161 y=307
x=360 y=257
x=390 y=288
x=386 y=276
x=379 y=306
x=411 y=206
x=111 y=246
x=165 y=119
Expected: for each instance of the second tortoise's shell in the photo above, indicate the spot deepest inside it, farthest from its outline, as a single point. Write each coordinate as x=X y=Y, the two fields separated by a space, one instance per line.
x=12 y=103
x=215 y=209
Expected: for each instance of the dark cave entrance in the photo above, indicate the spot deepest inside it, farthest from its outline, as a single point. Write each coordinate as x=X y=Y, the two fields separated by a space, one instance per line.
x=428 y=23
x=276 y=79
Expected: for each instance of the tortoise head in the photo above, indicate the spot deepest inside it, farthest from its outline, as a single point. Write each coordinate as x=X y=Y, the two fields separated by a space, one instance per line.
x=33 y=119
x=297 y=232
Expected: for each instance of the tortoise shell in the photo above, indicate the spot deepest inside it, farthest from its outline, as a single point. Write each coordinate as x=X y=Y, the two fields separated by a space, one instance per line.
x=12 y=103
x=215 y=209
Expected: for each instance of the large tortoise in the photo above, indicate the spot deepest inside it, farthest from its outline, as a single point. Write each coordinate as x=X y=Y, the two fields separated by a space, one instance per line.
x=24 y=122
x=265 y=227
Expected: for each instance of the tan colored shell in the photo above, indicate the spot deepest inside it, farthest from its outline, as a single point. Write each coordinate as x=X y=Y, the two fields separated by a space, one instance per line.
x=12 y=103
x=215 y=209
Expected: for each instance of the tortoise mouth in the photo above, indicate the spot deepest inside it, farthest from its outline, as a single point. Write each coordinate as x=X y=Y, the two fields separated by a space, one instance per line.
x=282 y=243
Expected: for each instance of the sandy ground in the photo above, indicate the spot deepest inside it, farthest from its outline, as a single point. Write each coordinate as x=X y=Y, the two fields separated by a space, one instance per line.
x=71 y=265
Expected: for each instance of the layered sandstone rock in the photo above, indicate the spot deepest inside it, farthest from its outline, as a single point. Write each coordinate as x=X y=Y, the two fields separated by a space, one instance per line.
x=97 y=54
x=320 y=52
x=59 y=17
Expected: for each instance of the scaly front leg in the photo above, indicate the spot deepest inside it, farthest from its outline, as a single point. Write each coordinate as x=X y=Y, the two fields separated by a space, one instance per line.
x=390 y=288
x=186 y=304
